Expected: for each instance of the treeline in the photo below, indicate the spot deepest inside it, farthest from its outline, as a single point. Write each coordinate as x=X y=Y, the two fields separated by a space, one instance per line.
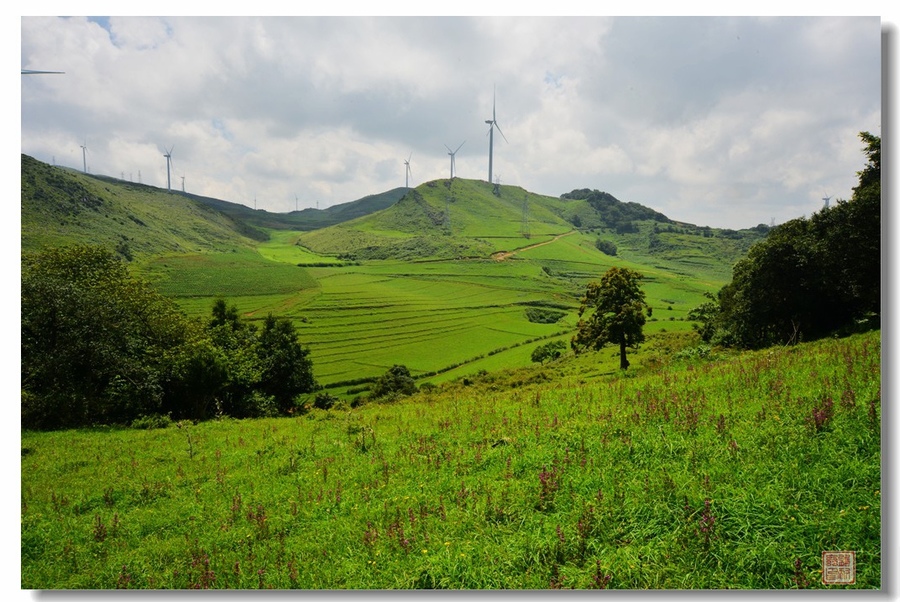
x=101 y=347
x=615 y=214
x=810 y=277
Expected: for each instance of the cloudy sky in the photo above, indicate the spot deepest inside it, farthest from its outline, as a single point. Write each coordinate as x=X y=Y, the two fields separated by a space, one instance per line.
x=720 y=121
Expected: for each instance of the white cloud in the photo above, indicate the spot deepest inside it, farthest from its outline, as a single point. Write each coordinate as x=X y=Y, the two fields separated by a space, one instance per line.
x=726 y=122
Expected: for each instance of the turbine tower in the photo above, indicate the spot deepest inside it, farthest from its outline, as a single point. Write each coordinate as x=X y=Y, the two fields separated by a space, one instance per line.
x=84 y=155
x=408 y=170
x=168 y=156
x=493 y=122
x=452 y=154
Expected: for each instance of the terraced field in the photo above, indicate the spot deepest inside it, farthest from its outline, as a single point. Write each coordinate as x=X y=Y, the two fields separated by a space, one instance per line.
x=443 y=319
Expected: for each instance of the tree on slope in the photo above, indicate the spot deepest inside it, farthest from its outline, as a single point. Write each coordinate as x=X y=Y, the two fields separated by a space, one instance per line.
x=616 y=313
x=809 y=277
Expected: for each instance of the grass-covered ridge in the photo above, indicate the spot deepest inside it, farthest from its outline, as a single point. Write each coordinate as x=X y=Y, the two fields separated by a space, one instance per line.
x=735 y=473
x=62 y=207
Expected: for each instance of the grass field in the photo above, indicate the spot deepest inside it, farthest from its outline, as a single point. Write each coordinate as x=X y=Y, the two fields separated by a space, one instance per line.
x=732 y=473
x=440 y=318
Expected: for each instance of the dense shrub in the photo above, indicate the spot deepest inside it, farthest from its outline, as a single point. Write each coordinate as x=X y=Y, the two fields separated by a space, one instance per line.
x=810 y=277
x=394 y=383
x=548 y=351
x=543 y=316
x=606 y=246
x=96 y=342
x=101 y=347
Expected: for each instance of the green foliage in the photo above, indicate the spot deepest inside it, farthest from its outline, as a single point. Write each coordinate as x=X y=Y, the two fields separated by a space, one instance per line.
x=324 y=401
x=396 y=382
x=617 y=316
x=153 y=421
x=606 y=246
x=543 y=316
x=95 y=341
x=614 y=213
x=809 y=277
x=285 y=368
x=101 y=347
x=548 y=351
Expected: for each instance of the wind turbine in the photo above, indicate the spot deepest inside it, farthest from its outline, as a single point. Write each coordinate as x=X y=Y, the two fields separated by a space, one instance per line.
x=826 y=199
x=168 y=156
x=452 y=154
x=408 y=170
x=84 y=155
x=492 y=122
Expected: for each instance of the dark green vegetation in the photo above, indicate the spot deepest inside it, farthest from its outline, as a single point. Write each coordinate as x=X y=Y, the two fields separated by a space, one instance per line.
x=810 y=277
x=618 y=311
x=734 y=473
x=100 y=347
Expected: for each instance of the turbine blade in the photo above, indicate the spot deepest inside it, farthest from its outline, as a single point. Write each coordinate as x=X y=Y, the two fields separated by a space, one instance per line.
x=501 y=131
x=459 y=147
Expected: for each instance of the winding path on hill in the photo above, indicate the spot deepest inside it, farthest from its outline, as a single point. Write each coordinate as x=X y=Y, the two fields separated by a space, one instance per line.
x=504 y=255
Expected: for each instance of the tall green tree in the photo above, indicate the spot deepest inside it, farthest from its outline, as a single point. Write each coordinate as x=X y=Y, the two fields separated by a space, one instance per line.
x=285 y=368
x=95 y=340
x=809 y=277
x=616 y=313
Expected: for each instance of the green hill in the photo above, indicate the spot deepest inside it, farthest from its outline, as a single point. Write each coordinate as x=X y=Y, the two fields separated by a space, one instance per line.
x=444 y=219
x=465 y=218
x=60 y=207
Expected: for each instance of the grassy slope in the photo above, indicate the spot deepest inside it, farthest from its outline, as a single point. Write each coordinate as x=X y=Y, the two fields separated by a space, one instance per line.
x=462 y=214
x=700 y=475
x=64 y=207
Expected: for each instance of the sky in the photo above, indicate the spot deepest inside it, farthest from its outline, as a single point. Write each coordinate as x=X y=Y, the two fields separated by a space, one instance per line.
x=720 y=121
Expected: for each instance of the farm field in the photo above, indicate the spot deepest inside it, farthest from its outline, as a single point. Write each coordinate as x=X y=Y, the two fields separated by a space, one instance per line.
x=437 y=317
x=732 y=472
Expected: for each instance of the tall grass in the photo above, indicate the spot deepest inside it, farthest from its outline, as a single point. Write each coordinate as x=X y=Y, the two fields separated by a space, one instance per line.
x=735 y=473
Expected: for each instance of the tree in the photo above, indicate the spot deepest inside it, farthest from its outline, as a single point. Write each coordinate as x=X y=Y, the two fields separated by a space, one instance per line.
x=95 y=340
x=396 y=381
x=285 y=368
x=809 y=277
x=548 y=351
x=618 y=314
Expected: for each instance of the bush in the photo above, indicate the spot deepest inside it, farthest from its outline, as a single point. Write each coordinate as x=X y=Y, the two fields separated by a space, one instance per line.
x=152 y=421
x=395 y=382
x=324 y=401
x=550 y=351
x=543 y=316
x=606 y=246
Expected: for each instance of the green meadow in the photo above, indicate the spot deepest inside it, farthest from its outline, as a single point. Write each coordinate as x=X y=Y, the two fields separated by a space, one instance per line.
x=438 y=317
x=736 y=471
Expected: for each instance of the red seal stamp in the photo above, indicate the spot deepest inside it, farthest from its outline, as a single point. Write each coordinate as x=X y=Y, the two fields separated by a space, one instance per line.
x=838 y=568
